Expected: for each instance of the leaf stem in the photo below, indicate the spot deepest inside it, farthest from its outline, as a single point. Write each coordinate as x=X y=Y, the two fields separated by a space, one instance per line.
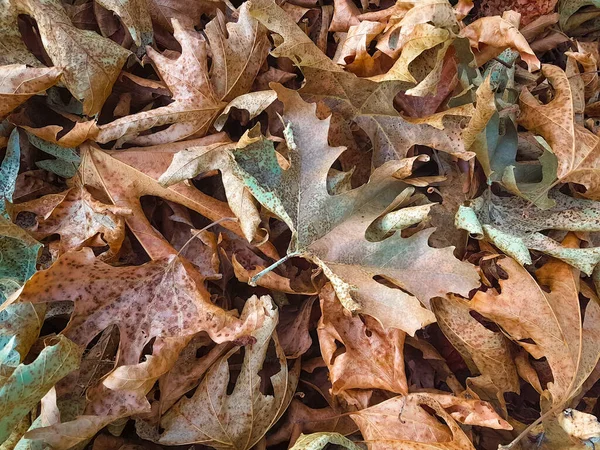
x=252 y=281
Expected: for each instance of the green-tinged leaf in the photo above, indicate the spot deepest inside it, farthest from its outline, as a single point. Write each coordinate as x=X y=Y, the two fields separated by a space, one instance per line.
x=67 y=160
x=318 y=441
x=29 y=383
x=20 y=325
x=514 y=225
x=9 y=169
x=330 y=229
x=569 y=20
x=18 y=252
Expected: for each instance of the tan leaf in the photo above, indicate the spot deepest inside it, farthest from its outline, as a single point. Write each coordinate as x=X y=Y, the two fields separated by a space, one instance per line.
x=126 y=176
x=501 y=34
x=18 y=83
x=373 y=357
x=553 y=320
x=486 y=352
x=403 y=423
x=90 y=62
x=79 y=220
x=135 y=16
x=12 y=46
x=577 y=149
x=239 y=420
x=198 y=96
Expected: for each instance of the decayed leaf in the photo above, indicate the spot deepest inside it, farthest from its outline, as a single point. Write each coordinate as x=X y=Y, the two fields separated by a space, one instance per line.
x=577 y=149
x=28 y=383
x=373 y=357
x=20 y=325
x=402 y=423
x=198 y=97
x=238 y=420
x=9 y=170
x=161 y=298
x=79 y=220
x=19 y=82
x=367 y=102
x=299 y=195
x=66 y=160
x=501 y=221
x=193 y=161
x=317 y=441
x=90 y=62
x=501 y=34
x=486 y=352
x=135 y=16
x=19 y=256
x=552 y=320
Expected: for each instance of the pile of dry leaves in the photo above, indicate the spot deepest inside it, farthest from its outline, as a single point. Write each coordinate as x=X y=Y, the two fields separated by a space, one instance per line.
x=299 y=224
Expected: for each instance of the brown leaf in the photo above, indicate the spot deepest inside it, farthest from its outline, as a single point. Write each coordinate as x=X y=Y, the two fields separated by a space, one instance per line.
x=18 y=83
x=577 y=149
x=486 y=352
x=372 y=357
x=402 y=423
x=551 y=324
x=133 y=298
x=90 y=62
x=500 y=34
x=79 y=220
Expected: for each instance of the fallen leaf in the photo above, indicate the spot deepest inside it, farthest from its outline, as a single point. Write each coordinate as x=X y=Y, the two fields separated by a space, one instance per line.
x=20 y=82
x=254 y=412
x=317 y=441
x=90 y=63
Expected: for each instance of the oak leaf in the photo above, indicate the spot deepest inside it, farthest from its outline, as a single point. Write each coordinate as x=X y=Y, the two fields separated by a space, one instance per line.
x=20 y=82
x=501 y=221
x=321 y=224
x=134 y=298
x=317 y=441
x=79 y=220
x=198 y=97
x=90 y=62
x=576 y=148
x=560 y=331
x=373 y=357
x=238 y=420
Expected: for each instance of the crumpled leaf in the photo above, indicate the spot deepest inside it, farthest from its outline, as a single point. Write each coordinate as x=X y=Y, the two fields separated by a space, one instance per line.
x=370 y=103
x=576 y=148
x=19 y=256
x=374 y=356
x=317 y=441
x=140 y=300
x=238 y=420
x=299 y=195
x=553 y=320
x=19 y=83
x=485 y=352
x=198 y=96
x=79 y=220
x=501 y=34
x=90 y=62
x=514 y=225
x=28 y=383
